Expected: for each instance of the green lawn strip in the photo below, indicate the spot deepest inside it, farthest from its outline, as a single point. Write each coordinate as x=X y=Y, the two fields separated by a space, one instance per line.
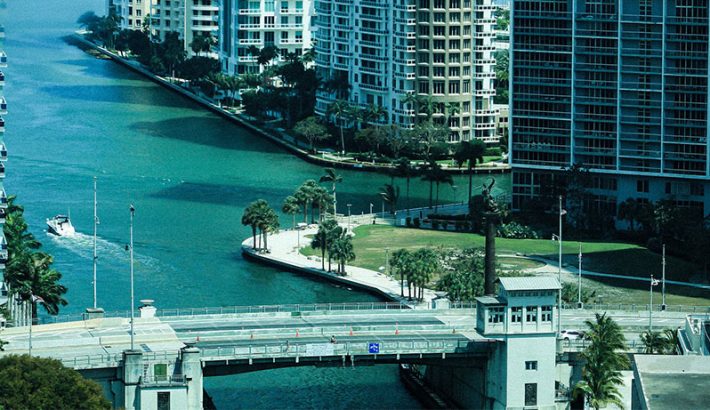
x=605 y=257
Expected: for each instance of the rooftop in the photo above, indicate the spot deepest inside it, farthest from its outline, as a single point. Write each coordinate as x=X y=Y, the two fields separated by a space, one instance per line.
x=673 y=381
x=529 y=283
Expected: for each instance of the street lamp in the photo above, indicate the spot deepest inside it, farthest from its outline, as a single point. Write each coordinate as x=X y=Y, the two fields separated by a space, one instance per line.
x=654 y=282
x=349 y=205
x=133 y=211
x=663 y=279
x=34 y=300
x=561 y=212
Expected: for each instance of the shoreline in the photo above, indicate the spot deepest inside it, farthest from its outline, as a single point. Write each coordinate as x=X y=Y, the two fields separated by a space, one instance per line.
x=267 y=134
x=285 y=256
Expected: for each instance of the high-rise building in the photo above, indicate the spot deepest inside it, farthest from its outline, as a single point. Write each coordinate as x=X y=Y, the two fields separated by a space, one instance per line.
x=387 y=50
x=619 y=88
x=188 y=18
x=133 y=13
x=247 y=25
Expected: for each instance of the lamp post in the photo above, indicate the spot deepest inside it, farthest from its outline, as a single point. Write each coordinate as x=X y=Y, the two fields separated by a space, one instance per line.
x=654 y=282
x=96 y=222
x=579 y=278
x=349 y=205
x=559 y=269
x=34 y=299
x=663 y=279
x=387 y=260
x=133 y=211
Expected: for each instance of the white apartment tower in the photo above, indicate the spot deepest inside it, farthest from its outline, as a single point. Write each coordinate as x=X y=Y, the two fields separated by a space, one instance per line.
x=188 y=18
x=434 y=48
x=245 y=24
x=132 y=12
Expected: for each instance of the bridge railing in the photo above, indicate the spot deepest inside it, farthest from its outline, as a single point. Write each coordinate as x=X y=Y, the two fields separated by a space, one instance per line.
x=578 y=345
x=113 y=359
x=294 y=350
x=629 y=307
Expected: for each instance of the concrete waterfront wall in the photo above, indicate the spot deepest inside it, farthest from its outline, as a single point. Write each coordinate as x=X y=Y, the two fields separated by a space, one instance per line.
x=463 y=386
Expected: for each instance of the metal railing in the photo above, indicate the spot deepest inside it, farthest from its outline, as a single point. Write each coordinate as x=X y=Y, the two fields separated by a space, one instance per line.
x=629 y=307
x=578 y=345
x=172 y=380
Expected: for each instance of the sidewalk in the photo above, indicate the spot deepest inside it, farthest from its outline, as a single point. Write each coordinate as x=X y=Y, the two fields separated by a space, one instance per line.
x=284 y=252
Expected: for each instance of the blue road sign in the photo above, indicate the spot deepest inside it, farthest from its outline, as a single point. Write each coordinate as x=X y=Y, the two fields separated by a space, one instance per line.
x=374 y=347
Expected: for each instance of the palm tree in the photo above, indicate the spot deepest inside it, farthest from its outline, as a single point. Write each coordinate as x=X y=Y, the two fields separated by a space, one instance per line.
x=404 y=169
x=305 y=195
x=338 y=84
x=629 y=211
x=291 y=207
x=654 y=342
x=333 y=178
x=390 y=194
x=601 y=374
x=470 y=152
x=400 y=263
x=267 y=221
x=249 y=218
x=673 y=342
x=39 y=282
x=452 y=109
x=323 y=238
x=321 y=200
x=341 y=110
x=267 y=55
x=343 y=251
x=427 y=171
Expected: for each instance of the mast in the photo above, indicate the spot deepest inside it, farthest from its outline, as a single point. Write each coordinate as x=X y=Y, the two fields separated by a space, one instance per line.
x=96 y=221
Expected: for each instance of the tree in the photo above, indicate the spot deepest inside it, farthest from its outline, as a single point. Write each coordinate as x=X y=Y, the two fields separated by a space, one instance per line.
x=339 y=84
x=654 y=342
x=501 y=70
x=88 y=19
x=404 y=169
x=390 y=195
x=327 y=230
x=39 y=282
x=470 y=152
x=266 y=55
x=202 y=43
x=463 y=280
x=291 y=207
x=267 y=221
x=333 y=178
x=434 y=174
x=305 y=194
x=424 y=263
x=629 y=211
x=401 y=258
x=342 y=251
x=570 y=293
x=429 y=134
x=39 y=383
x=396 y=138
x=601 y=374
x=312 y=130
x=249 y=218
x=342 y=111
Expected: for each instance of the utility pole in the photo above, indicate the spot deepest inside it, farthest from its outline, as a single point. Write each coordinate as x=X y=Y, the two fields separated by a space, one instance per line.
x=654 y=282
x=559 y=269
x=132 y=210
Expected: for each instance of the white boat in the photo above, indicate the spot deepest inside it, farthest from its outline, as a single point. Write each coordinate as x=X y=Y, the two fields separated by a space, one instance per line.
x=60 y=225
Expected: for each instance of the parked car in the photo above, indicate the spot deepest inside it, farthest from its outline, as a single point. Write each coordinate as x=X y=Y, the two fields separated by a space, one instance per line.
x=572 y=335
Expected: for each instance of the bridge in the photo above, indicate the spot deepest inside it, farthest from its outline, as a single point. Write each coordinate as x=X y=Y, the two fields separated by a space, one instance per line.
x=174 y=350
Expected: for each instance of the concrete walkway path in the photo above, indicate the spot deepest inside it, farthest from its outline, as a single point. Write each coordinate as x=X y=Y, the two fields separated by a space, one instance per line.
x=284 y=251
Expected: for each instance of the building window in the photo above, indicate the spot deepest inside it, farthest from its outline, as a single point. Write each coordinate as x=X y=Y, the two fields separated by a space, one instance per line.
x=531 y=365
x=531 y=313
x=546 y=314
x=642 y=185
x=531 y=394
x=160 y=371
x=164 y=400
x=516 y=314
x=495 y=315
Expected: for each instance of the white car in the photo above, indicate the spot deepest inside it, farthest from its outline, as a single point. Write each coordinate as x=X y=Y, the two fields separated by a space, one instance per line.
x=571 y=335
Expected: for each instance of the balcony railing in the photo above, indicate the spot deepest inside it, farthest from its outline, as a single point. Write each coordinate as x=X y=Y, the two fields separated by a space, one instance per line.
x=154 y=380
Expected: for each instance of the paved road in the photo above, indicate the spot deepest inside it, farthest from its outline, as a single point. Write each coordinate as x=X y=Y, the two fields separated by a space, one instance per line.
x=112 y=336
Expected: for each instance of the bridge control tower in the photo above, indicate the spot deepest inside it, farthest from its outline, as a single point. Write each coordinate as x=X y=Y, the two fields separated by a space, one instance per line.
x=520 y=369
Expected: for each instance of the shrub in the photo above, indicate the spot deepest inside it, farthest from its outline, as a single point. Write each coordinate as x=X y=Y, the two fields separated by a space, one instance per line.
x=492 y=152
x=434 y=224
x=515 y=230
x=408 y=221
x=417 y=222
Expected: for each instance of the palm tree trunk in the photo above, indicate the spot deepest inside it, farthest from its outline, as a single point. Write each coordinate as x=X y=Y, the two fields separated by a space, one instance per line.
x=253 y=237
x=330 y=259
x=335 y=201
x=265 y=232
x=409 y=288
x=322 y=258
x=401 y=278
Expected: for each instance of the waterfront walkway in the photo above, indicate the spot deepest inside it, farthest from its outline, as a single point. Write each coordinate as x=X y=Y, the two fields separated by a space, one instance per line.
x=284 y=252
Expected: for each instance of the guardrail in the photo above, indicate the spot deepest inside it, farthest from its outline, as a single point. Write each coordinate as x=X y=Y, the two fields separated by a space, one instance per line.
x=578 y=345
x=326 y=307
x=294 y=350
x=113 y=360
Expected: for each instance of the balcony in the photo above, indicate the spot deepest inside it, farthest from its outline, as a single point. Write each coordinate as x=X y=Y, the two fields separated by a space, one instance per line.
x=3 y=213
x=3 y=198
x=2 y=125
x=250 y=41
x=3 y=152
x=2 y=170
x=3 y=250
x=2 y=32
x=3 y=59
x=249 y=12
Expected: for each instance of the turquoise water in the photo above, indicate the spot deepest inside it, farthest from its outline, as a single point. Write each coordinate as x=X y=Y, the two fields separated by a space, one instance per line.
x=189 y=175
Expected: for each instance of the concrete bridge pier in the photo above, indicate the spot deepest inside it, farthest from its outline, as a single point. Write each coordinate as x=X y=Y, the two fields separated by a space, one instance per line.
x=192 y=370
x=131 y=378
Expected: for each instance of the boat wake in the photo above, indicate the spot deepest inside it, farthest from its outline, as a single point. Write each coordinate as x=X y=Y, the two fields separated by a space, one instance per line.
x=83 y=246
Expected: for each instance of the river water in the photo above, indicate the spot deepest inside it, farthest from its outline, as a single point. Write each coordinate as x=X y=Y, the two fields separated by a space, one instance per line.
x=189 y=174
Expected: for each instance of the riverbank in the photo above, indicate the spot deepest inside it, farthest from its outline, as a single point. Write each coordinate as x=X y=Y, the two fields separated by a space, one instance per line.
x=284 y=253
x=274 y=135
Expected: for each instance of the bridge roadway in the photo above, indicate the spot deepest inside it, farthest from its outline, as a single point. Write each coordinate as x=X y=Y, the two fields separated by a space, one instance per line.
x=236 y=342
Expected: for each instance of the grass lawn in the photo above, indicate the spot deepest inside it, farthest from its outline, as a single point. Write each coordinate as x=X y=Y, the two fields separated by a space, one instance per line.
x=607 y=257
